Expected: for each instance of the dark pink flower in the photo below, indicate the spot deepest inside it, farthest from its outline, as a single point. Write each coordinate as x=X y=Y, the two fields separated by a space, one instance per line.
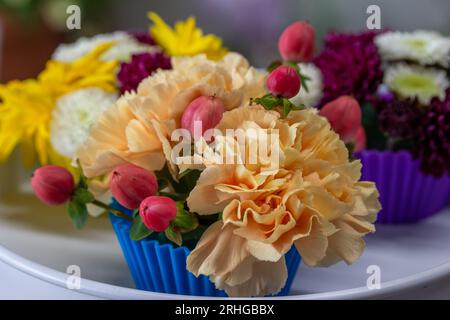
x=140 y=67
x=432 y=145
x=143 y=37
x=350 y=65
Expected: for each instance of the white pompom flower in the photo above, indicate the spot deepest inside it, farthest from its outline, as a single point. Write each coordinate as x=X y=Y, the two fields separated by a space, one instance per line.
x=122 y=50
x=423 y=47
x=410 y=81
x=311 y=97
x=74 y=115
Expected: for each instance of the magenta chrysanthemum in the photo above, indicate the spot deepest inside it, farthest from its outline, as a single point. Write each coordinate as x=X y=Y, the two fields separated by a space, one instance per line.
x=433 y=143
x=140 y=67
x=350 y=65
x=399 y=118
x=144 y=38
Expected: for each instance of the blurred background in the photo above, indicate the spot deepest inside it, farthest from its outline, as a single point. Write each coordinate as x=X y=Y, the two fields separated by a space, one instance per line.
x=31 y=29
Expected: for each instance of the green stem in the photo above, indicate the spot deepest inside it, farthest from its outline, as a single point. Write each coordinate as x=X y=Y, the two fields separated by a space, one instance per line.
x=115 y=212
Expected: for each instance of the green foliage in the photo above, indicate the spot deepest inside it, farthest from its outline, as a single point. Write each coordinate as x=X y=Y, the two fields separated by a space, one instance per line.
x=375 y=138
x=138 y=230
x=78 y=213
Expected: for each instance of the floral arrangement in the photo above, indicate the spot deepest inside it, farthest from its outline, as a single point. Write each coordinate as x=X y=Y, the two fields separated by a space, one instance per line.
x=230 y=163
x=400 y=79
x=50 y=116
x=387 y=95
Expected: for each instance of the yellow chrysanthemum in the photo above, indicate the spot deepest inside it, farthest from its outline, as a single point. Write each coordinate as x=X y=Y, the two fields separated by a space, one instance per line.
x=88 y=71
x=26 y=106
x=185 y=39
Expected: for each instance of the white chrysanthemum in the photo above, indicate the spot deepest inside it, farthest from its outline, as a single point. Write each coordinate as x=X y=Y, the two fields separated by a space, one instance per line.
x=424 y=47
x=415 y=81
x=125 y=45
x=74 y=115
x=311 y=97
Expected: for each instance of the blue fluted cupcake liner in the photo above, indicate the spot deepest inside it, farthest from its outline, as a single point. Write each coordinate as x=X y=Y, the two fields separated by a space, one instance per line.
x=406 y=194
x=162 y=267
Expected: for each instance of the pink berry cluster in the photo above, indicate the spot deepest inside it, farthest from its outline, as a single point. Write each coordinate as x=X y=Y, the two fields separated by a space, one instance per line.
x=133 y=187
x=296 y=44
x=345 y=117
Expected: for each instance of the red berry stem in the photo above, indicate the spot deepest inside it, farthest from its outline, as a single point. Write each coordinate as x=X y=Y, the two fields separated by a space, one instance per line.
x=115 y=212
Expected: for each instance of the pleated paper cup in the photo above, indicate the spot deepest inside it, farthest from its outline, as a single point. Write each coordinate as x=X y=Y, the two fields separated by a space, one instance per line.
x=406 y=194
x=162 y=267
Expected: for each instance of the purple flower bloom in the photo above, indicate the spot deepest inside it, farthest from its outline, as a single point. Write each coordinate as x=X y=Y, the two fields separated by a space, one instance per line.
x=140 y=67
x=143 y=37
x=433 y=143
x=399 y=118
x=350 y=65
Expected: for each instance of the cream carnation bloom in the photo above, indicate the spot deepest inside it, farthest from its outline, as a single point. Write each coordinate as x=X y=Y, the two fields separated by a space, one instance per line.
x=138 y=128
x=313 y=201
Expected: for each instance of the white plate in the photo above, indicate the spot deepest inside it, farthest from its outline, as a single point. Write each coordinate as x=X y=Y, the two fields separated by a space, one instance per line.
x=414 y=260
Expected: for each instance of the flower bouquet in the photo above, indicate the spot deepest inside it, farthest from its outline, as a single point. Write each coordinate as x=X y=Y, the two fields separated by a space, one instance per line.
x=221 y=175
x=400 y=80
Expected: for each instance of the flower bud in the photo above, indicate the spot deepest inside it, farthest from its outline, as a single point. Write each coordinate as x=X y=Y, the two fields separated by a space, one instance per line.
x=201 y=114
x=157 y=212
x=360 y=139
x=131 y=184
x=296 y=43
x=284 y=81
x=53 y=185
x=344 y=115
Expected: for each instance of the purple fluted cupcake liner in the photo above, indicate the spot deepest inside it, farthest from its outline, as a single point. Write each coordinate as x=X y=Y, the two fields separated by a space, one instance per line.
x=162 y=267
x=406 y=194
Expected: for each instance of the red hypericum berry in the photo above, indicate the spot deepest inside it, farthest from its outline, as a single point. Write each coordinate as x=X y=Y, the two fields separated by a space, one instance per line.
x=131 y=184
x=360 y=139
x=157 y=212
x=206 y=111
x=284 y=81
x=296 y=43
x=344 y=115
x=53 y=185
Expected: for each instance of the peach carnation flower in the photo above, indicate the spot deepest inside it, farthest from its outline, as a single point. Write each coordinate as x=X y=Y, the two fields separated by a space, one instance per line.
x=313 y=201
x=138 y=128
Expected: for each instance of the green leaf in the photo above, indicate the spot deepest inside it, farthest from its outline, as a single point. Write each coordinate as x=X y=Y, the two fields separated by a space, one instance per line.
x=375 y=138
x=162 y=184
x=351 y=148
x=78 y=213
x=287 y=107
x=274 y=65
x=185 y=220
x=83 y=195
x=138 y=230
x=304 y=81
x=293 y=65
x=164 y=176
x=175 y=196
x=190 y=239
x=187 y=180
x=269 y=101
x=174 y=235
x=82 y=183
